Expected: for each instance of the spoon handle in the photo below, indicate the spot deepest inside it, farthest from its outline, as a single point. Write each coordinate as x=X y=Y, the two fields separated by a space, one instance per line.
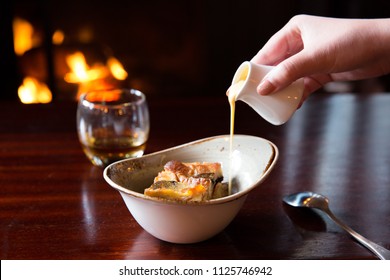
x=381 y=252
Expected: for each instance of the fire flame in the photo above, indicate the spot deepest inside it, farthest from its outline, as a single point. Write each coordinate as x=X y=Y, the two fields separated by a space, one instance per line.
x=58 y=37
x=81 y=72
x=24 y=39
x=96 y=77
x=116 y=69
x=33 y=91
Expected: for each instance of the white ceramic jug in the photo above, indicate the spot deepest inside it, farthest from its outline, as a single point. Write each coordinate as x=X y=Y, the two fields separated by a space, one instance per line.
x=276 y=108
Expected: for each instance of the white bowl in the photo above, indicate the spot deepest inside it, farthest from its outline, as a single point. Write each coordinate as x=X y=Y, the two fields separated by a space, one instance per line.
x=253 y=159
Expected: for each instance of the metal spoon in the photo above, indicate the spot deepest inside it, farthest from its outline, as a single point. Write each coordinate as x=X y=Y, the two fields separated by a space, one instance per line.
x=317 y=201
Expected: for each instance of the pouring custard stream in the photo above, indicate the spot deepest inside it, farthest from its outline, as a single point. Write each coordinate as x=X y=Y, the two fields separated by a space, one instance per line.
x=232 y=92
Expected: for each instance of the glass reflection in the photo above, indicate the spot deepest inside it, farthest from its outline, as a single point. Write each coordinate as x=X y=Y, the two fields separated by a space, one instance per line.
x=88 y=207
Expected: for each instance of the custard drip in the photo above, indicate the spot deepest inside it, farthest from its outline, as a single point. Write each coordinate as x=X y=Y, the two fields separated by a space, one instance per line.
x=232 y=96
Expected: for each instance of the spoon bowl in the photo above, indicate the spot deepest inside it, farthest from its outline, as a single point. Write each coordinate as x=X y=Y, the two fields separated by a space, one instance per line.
x=307 y=199
x=320 y=202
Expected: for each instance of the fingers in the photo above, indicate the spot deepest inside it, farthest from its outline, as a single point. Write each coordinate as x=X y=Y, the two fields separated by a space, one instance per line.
x=283 y=44
x=283 y=50
x=284 y=74
x=292 y=69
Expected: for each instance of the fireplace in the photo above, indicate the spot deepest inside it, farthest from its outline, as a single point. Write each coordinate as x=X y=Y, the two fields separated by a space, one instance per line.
x=64 y=48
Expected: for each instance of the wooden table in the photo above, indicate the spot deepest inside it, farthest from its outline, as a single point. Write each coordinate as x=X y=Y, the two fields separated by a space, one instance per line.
x=55 y=205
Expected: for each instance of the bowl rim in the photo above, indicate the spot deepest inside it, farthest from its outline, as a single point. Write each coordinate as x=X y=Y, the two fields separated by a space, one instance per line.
x=226 y=199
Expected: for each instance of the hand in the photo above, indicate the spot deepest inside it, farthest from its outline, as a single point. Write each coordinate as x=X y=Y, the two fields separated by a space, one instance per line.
x=321 y=50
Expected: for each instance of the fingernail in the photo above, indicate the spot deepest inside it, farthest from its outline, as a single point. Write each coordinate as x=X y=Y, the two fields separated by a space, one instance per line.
x=266 y=87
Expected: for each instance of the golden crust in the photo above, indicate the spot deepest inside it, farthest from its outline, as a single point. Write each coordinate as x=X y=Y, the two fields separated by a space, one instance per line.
x=186 y=181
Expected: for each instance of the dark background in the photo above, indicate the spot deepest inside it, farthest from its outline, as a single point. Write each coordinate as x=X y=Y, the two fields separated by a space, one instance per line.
x=170 y=47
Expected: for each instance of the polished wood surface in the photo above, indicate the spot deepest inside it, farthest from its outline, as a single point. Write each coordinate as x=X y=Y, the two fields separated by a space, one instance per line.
x=55 y=205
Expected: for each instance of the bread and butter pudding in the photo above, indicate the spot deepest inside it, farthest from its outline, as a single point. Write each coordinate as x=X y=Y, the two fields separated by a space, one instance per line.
x=184 y=182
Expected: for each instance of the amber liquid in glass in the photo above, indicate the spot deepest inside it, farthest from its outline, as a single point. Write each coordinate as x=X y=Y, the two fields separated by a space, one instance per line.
x=103 y=151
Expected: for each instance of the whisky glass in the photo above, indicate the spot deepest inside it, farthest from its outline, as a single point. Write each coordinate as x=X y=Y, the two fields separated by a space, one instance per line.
x=113 y=125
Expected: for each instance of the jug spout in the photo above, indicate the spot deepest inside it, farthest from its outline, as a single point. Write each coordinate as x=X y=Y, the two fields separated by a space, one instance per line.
x=276 y=108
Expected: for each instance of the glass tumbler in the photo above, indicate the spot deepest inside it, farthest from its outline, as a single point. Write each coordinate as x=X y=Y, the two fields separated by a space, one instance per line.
x=112 y=125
